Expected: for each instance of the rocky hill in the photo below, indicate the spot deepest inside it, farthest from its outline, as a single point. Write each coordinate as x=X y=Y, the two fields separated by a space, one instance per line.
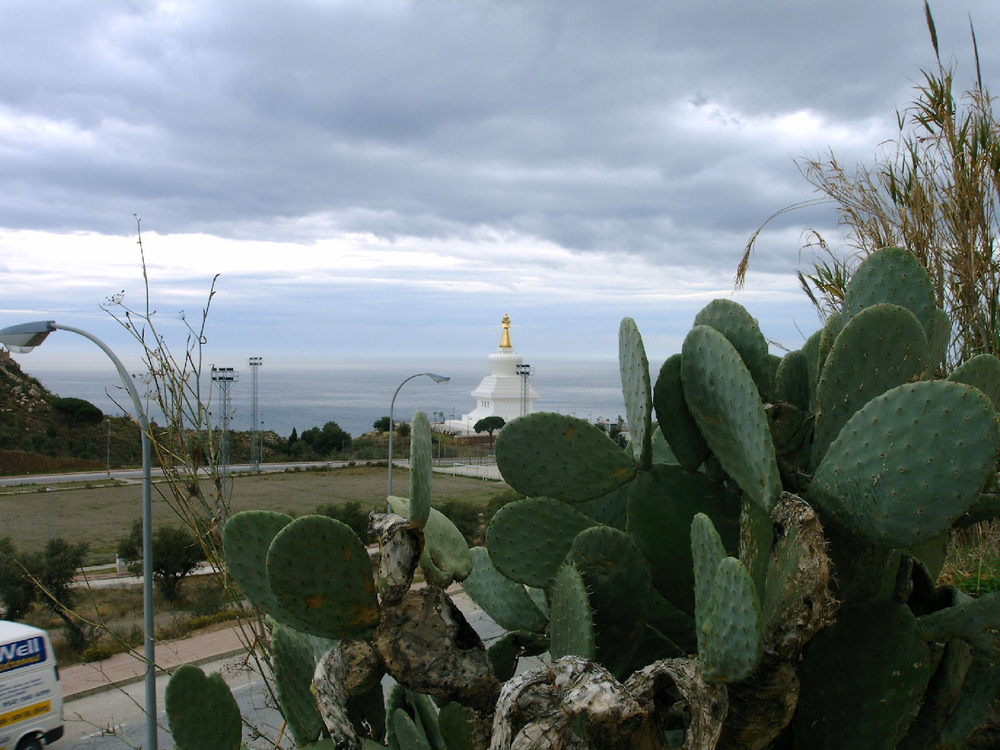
x=39 y=431
x=21 y=395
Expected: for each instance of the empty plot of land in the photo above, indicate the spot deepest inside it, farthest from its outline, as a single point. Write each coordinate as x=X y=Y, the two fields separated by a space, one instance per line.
x=100 y=516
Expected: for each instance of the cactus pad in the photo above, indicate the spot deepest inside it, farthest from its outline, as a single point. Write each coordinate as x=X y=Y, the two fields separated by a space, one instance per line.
x=293 y=672
x=661 y=505
x=881 y=347
x=909 y=463
x=939 y=338
x=791 y=382
x=675 y=420
x=730 y=637
x=636 y=390
x=707 y=551
x=725 y=404
x=733 y=321
x=322 y=579
x=975 y=622
x=202 y=711
x=811 y=352
x=420 y=710
x=571 y=626
x=458 y=726
x=828 y=335
x=504 y=600
x=877 y=689
x=892 y=275
x=983 y=372
x=610 y=509
x=619 y=585
x=528 y=539
x=420 y=470
x=553 y=455
x=506 y=650
x=246 y=539
x=407 y=733
x=445 y=549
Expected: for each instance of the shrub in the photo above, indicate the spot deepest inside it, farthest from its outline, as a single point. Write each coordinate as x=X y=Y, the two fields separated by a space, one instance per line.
x=176 y=553
x=351 y=513
x=77 y=411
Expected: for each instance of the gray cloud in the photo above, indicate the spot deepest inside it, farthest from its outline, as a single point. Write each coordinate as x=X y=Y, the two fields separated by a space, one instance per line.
x=644 y=127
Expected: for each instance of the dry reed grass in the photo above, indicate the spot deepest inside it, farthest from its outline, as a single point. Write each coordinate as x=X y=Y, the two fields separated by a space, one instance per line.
x=934 y=189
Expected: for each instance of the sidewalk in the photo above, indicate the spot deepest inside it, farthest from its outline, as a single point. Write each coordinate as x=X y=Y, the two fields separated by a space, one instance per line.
x=82 y=680
x=480 y=471
x=122 y=669
x=458 y=469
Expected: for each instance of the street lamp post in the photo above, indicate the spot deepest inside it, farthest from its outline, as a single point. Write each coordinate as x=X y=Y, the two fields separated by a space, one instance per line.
x=24 y=338
x=392 y=427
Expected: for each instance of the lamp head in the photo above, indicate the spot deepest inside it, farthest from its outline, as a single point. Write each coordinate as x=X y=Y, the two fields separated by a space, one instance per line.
x=438 y=378
x=26 y=336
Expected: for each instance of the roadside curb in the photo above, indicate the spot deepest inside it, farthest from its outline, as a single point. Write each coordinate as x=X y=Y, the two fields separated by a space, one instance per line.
x=131 y=679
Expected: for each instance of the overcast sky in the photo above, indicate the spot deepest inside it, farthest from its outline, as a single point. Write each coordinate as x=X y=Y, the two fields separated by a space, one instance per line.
x=389 y=177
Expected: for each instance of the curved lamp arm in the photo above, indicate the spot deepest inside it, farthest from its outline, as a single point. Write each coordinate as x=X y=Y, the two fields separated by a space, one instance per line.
x=392 y=404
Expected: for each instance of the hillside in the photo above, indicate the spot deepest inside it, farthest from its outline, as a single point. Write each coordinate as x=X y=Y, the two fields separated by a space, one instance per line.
x=40 y=432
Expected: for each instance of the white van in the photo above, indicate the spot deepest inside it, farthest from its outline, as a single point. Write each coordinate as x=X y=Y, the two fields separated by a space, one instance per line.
x=30 y=693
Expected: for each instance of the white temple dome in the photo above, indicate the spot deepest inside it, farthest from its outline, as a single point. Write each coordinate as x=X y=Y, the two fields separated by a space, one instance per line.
x=505 y=392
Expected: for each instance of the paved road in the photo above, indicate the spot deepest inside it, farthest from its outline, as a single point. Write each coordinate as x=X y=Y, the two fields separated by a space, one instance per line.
x=483 y=471
x=114 y=720
x=135 y=475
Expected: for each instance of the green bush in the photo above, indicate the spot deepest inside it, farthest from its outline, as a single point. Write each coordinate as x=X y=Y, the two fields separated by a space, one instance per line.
x=352 y=513
x=77 y=411
x=472 y=519
x=176 y=553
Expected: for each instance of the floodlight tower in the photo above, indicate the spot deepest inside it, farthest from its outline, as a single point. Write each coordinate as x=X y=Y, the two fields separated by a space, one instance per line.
x=224 y=377
x=524 y=371
x=255 y=436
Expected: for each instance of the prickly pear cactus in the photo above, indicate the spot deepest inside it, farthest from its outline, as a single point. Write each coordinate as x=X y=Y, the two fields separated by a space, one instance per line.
x=756 y=570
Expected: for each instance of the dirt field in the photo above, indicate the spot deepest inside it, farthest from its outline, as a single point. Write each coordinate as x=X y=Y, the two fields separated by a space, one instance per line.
x=101 y=516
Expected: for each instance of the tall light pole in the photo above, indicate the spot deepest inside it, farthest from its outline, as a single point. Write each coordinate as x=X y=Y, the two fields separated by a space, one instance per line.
x=255 y=441
x=225 y=377
x=524 y=372
x=25 y=337
x=392 y=427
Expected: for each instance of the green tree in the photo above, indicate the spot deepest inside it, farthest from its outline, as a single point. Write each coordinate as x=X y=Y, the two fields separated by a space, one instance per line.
x=293 y=438
x=54 y=571
x=46 y=576
x=326 y=439
x=77 y=411
x=176 y=553
x=17 y=592
x=489 y=424
x=381 y=424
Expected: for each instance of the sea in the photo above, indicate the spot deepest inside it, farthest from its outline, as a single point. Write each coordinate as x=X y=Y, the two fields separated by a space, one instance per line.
x=356 y=393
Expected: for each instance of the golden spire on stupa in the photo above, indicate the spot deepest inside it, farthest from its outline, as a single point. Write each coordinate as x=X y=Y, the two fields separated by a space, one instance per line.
x=505 y=338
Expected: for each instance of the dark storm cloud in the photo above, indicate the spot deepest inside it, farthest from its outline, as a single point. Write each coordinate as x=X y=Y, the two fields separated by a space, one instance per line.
x=647 y=127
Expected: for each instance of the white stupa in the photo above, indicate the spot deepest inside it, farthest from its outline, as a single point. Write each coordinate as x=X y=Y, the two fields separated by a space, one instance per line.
x=502 y=393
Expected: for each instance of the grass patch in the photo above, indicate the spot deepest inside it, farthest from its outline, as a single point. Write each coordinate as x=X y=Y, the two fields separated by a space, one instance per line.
x=100 y=515
x=973 y=562
x=349 y=494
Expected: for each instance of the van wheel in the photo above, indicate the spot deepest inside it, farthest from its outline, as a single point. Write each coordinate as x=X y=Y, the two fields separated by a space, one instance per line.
x=30 y=743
